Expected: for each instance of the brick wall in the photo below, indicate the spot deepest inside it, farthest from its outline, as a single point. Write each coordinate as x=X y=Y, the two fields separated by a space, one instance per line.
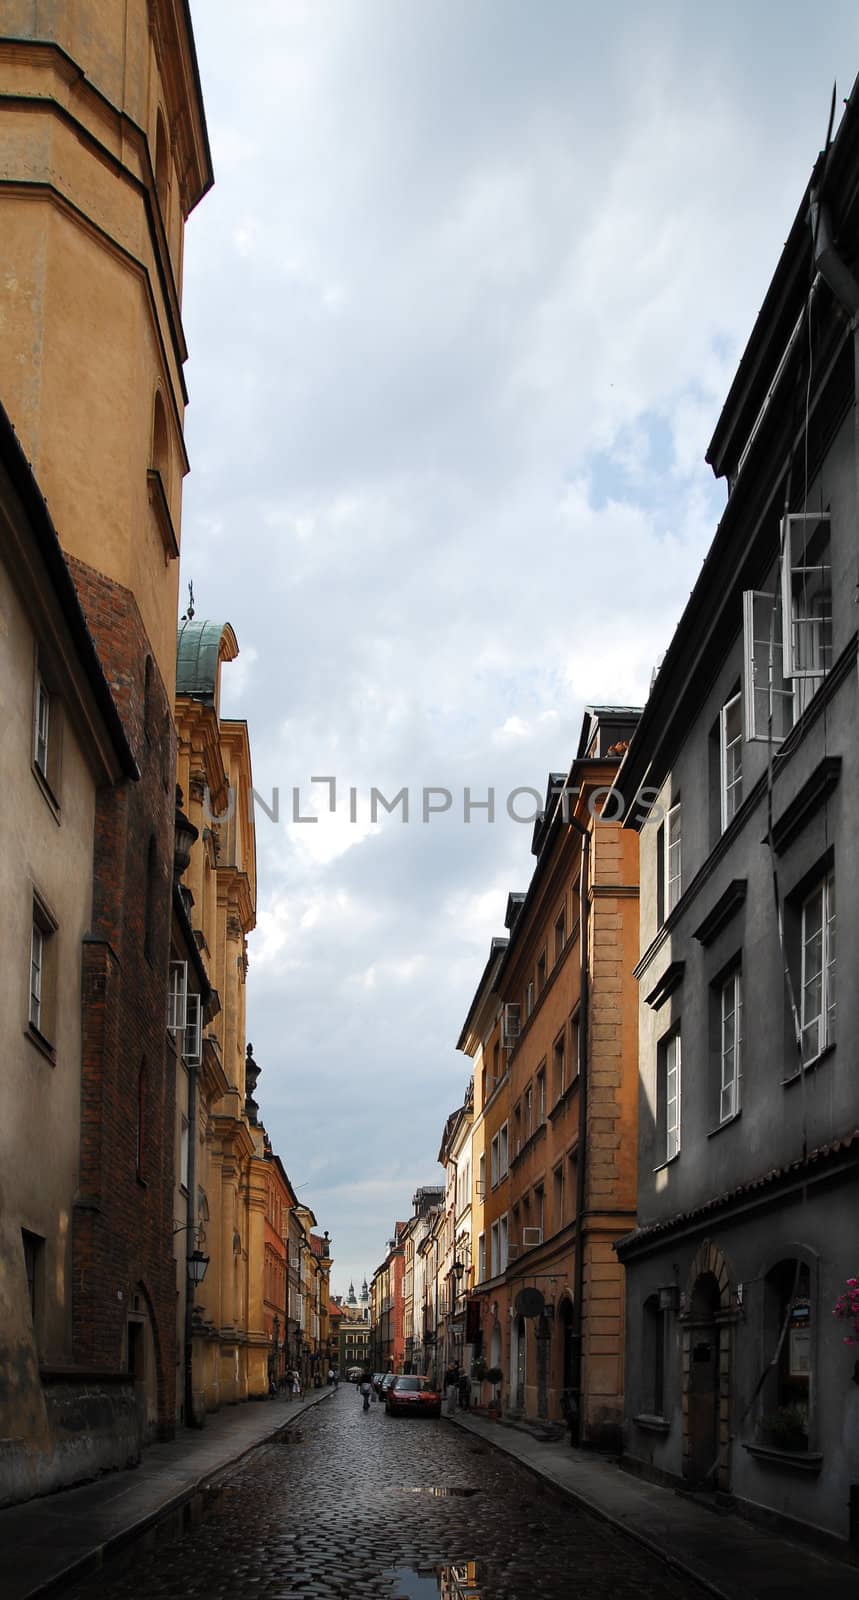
x=122 y=1226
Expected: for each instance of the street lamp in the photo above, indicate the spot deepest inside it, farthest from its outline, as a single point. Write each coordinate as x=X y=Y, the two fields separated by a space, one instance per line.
x=197 y=1264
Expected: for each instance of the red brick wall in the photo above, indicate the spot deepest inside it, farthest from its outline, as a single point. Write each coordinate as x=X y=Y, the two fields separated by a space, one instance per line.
x=122 y=1227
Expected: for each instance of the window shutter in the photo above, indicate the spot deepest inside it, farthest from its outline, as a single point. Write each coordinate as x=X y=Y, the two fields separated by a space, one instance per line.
x=763 y=644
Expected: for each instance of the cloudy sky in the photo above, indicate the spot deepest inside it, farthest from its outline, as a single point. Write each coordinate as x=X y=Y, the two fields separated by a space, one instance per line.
x=462 y=309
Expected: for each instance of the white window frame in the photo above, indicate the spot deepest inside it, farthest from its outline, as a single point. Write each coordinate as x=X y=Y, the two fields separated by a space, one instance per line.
x=493 y=1161
x=177 y=997
x=529 y=997
x=481 y=1177
x=42 y=727
x=768 y=696
x=192 y=1038
x=494 y=1248
x=503 y=1242
x=818 y=1025
x=528 y=1121
x=503 y=1151
x=793 y=572
x=541 y=1097
x=481 y=1257
x=672 y=1095
x=730 y=1045
x=673 y=857
x=731 y=789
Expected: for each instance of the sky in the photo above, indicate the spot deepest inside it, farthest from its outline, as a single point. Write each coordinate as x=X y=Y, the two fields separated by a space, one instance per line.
x=462 y=309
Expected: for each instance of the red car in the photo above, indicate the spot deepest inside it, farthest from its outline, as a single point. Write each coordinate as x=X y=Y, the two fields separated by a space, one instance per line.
x=412 y=1396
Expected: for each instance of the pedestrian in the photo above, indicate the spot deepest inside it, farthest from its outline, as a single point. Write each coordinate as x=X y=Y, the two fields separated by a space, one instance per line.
x=296 y=1383
x=365 y=1388
x=465 y=1392
x=330 y=1377
x=451 y=1387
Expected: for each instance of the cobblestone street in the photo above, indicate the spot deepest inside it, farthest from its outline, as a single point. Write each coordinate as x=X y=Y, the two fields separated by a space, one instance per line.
x=344 y=1503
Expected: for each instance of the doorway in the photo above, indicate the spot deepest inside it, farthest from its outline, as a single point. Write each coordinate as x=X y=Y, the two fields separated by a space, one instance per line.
x=703 y=1392
x=521 y=1363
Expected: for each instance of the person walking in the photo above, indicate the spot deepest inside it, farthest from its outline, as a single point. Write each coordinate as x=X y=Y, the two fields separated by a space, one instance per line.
x=365 y=1388
x=451 y=1387
x=296 y=1383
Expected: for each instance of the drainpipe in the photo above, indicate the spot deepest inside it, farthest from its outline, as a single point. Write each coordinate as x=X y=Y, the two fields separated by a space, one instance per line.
x=582 y=1150
x=190 y=1237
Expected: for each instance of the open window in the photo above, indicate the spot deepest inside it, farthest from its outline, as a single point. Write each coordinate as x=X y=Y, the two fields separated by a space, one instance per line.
x=193 y=1036
x=177 y=997
x=806 y=602
x=768 y=693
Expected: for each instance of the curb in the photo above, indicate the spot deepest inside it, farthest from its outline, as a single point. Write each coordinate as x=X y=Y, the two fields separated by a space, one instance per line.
x=82 y=1566
x=670 y=1560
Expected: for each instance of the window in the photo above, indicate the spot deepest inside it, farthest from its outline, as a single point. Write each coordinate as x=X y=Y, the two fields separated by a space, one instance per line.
x=42 y=992
x=817 y=982
x=806 y=604
x=33 y=1247
x=541 y=1096
x=529 y=1113
x=574 y=1047
x=177 y=997
x=493 y=1161
x=558 y=1198
x=668 y=1097
x=161 y=165
x=653 y=1358
x=192 y=1037
x=529 y=998
x=768 y=694
x=494 y=1249
x=539 y=1208
x=558 y=1064
x=673 y=876
x=481 y=1258
x=560 y=935
x=502 y=1244
x=730 y=1045
x=541 y=973
x=731 y=758
x=788 y=1333
x=481 y=1177
x=502 y=1151
x=183 y=1153
x=42 y=726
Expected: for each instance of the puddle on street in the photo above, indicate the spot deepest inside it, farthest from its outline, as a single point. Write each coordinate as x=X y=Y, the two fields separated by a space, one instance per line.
x=461 y=1581
x=442 y=1493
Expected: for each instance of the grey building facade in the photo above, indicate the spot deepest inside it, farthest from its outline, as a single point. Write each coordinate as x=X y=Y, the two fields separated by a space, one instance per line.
x=746 y=767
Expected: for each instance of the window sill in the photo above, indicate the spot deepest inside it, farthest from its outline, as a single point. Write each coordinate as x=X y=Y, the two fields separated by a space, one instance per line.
x=651 y=1422
x=50 y=798
x=42 y=1044
x=728 y=1122
x=809 y=1066
x=794 y=1460
x=663 y=1164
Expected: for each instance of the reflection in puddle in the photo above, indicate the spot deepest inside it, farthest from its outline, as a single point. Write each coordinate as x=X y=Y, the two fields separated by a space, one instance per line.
x=462 y=1581
x=450 y=1492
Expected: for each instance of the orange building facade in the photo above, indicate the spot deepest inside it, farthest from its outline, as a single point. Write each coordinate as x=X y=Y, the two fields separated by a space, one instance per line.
x=558 y=1105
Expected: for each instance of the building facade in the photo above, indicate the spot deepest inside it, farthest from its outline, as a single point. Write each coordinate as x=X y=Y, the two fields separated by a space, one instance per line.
x=737 y=1377
x=104 y=155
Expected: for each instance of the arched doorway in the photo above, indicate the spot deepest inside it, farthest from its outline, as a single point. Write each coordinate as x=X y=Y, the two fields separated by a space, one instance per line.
x=703 y=1394
x=520 y=1363
x=142 y=1364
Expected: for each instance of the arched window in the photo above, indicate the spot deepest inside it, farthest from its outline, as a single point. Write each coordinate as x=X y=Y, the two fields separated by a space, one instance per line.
x=162 y=166
x=161 y=441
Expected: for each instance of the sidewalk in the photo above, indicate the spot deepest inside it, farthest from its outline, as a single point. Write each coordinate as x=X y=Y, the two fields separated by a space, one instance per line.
x=732 y=1558
x=59 y=1537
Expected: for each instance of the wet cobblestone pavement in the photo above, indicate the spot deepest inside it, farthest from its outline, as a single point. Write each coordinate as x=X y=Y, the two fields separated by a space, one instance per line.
x=345 y=1503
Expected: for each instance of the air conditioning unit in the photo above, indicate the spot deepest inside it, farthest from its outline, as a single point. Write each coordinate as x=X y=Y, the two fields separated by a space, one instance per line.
x=531 y=1237
x=510 y=1025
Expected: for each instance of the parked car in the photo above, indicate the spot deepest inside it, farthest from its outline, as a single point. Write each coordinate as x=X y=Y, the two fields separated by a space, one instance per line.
x=388 y=1378
x=415 y=1396
x=378 y=1379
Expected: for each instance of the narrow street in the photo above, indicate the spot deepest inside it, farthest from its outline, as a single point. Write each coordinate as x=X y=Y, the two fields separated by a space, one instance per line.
x=344 y=1503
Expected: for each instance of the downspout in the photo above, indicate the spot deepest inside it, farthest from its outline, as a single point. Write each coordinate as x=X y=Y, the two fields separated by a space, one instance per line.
x=582 y=1148
x=190 y=1244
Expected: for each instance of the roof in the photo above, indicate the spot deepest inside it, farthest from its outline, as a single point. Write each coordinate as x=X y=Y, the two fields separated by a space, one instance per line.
x=822 y=1156
x=200 y=649
x=496 y=951
x=47 y=542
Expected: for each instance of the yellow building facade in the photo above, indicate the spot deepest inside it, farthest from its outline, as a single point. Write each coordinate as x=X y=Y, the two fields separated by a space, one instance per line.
x=230 y=1345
